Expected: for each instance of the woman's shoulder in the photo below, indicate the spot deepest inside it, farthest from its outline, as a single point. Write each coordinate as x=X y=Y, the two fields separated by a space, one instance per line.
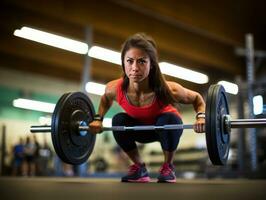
x=111 y=88
x=112 y=85
x=173 y=86
x=178 y=91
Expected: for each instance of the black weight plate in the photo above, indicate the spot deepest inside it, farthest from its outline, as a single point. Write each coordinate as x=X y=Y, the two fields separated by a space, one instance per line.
x=70 y=146
x=53 y=128
x=218 y=140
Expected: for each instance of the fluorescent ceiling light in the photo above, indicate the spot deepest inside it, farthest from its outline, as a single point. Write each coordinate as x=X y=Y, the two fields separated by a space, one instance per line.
x=52 y=40
x=229 y=87
x=95 y=88
x=257 y=105
x=34 y=105
x=105 y=54
x=183 y=73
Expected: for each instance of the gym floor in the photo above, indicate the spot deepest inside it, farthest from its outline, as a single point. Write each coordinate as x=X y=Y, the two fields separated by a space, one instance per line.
x=77 y=188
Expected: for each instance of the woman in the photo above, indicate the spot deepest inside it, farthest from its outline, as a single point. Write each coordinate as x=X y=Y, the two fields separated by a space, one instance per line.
x=147 y=98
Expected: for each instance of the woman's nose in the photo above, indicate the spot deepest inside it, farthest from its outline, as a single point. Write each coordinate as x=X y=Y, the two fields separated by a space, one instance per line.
x=135 y=66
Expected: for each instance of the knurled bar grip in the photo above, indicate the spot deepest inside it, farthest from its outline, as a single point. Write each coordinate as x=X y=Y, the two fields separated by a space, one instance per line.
x=148 y=128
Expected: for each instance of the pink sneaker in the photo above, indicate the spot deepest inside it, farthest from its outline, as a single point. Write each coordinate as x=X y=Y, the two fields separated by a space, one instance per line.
x=137 y=173
x=167 y=174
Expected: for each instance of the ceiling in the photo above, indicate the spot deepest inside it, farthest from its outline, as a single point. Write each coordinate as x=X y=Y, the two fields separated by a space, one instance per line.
x=200 y=35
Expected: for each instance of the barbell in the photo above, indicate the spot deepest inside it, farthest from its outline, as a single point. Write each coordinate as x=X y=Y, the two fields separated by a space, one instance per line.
x=74 y=143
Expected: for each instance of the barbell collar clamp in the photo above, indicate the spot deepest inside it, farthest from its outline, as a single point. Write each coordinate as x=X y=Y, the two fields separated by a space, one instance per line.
x=227 y=123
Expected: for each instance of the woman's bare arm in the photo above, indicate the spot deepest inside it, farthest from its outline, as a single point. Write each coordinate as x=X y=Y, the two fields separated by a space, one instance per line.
x=186 y=96
x=107 y=98
x=105 y=103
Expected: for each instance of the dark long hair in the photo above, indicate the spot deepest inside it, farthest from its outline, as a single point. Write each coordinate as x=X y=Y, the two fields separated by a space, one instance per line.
x=156 y=79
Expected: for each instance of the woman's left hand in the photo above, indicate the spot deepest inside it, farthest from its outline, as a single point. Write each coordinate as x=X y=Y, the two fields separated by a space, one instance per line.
x=199 y=126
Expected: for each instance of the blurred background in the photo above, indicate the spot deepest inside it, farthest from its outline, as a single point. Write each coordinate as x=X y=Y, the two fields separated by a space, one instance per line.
x=48 y=48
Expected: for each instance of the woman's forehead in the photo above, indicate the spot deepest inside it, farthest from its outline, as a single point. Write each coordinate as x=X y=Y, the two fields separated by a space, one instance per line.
x=136 y=53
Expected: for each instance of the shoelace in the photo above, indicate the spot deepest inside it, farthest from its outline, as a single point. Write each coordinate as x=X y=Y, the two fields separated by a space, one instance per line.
x=165 y=170
x=133 y=169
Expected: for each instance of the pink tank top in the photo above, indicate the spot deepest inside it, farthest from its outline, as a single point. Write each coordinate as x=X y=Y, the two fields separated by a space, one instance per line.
x=145 y=114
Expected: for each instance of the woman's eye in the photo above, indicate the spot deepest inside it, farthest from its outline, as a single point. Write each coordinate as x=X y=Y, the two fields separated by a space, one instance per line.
x=129 y=61
x=142 y=61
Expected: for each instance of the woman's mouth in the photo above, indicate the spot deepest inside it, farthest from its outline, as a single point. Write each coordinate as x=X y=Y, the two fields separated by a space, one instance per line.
x=135 y=76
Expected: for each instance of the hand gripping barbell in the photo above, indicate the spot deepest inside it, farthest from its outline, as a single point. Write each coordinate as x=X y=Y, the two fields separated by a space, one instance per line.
x=74 y=143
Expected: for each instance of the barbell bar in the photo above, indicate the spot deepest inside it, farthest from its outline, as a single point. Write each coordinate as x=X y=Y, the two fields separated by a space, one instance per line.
x=238 y=123
x=74 y=143
x=35 y=129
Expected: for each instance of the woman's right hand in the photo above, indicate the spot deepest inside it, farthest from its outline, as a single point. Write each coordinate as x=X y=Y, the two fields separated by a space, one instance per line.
x=96 y=126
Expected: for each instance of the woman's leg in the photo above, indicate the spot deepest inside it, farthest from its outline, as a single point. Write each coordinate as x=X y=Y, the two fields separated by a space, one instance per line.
x=169 y=138
x=127 y=140
x=134 y=156
x=169 y=156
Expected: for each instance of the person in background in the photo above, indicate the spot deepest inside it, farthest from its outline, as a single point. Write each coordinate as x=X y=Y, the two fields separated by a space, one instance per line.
x=29 y=167
x=45 y=156
x=36 y=155
x=18 y=157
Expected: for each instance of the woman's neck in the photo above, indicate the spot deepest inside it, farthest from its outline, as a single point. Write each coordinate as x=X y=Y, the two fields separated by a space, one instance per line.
x=139 y=87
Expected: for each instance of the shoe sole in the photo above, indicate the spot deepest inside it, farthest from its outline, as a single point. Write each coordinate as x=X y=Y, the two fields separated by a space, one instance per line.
x=140 y=180
x=167 y=181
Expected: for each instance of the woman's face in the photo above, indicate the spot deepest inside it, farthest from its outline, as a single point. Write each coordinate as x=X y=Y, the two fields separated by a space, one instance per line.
x=137 y=65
